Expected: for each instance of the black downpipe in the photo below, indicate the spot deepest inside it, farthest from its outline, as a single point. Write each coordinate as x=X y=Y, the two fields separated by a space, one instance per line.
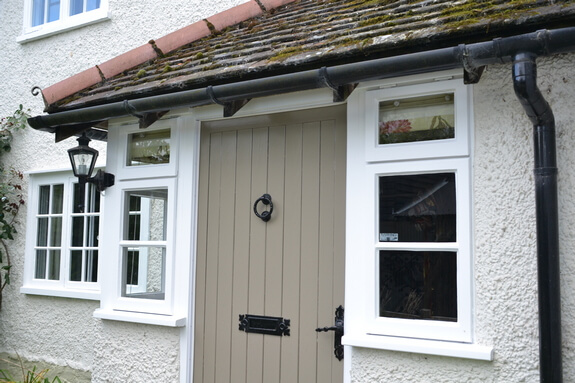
x=541 y=115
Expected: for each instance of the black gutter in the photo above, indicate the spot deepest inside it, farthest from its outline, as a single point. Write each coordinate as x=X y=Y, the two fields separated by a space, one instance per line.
x=549 y=289
x=522 y=50
x=470 y=57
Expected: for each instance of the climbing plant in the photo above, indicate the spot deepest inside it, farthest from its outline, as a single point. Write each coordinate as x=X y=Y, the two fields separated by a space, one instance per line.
x=11 y=195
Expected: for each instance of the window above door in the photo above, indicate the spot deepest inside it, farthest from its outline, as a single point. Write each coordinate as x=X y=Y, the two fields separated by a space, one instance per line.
x=44 y=18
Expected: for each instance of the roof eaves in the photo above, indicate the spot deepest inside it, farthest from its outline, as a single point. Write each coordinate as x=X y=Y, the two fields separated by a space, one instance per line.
x=157 y=48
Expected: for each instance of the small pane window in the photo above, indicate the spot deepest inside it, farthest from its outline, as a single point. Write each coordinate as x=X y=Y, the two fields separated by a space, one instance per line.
x=417 y=208
x=149 y=148
x=418 y=285
x=417 y=119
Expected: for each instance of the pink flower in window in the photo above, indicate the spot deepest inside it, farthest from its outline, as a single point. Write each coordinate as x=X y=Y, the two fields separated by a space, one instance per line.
x=397 y=126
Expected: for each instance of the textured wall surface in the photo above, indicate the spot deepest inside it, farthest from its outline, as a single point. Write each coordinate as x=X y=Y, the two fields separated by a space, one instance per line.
x=60 y=331
x=506 y=311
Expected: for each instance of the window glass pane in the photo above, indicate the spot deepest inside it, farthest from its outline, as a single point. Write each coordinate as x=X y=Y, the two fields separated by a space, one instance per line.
x=417 y=119
x=91 y=266
x=148 y=224
x=150 y=275
x=44 y=200
x=40 y=272
x=147 y=148
x=92 y=199
x=77 y=199
x=76 y=265
x=78 y=231
x=56 y=231
x=76 y=6
x=92 y=4
x=132 y=265
x=418 y=285
x=54 y=269
x=53 y=10
x=38 y=12
x=93 y=231
x=42 y=235
x=417 y=208
x=57 y=199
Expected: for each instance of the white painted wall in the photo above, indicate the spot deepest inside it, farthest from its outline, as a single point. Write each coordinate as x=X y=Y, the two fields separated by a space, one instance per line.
x=506 y=311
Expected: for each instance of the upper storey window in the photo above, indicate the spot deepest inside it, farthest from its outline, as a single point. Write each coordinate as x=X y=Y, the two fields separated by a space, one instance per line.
x=47 y=17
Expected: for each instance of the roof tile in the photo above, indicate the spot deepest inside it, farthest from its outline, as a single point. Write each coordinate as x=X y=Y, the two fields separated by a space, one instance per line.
x=307 y=34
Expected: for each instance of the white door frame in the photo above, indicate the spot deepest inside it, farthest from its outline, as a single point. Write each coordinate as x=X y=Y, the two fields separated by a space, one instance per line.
x=275 y=104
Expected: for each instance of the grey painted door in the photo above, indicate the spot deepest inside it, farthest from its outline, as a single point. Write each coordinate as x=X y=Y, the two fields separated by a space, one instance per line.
x=291 y=266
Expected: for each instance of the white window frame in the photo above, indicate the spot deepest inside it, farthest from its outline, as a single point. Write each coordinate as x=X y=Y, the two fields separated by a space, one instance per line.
x=63 y=24
x=144 y=305
x=172 y=310
x=63 y=287
x=367 y=161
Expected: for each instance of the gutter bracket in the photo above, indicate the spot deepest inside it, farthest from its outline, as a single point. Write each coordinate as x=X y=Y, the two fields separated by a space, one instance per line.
x=340 y=93
x=145 y=120
x=471 y=73
x=230 y=108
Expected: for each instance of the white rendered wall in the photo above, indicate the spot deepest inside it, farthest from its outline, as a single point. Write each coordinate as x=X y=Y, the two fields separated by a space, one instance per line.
x=506 y=309
x=62 y=331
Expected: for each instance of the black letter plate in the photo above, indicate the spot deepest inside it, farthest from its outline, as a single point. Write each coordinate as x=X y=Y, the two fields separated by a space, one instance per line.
x=264 y=325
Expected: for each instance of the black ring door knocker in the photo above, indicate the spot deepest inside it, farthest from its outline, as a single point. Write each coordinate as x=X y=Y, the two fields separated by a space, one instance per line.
x=265 y=215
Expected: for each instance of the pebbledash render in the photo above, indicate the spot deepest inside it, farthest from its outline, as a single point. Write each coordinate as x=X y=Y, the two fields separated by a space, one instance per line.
x=395 y=149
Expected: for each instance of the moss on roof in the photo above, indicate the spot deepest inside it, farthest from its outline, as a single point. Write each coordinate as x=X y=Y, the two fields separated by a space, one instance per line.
x=313 y=33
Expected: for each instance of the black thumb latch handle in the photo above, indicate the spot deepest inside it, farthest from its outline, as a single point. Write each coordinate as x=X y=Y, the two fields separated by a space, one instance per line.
x=265 y=215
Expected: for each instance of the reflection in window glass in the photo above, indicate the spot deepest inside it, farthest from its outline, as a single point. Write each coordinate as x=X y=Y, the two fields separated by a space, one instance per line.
x=418 y=285
x=417 y=208
x=417 y=119
x=49 y=231
x=148 y=148
x=45 y=11
x=79 y=6
x=84 y=236
x=144 y=264
x=145 y=269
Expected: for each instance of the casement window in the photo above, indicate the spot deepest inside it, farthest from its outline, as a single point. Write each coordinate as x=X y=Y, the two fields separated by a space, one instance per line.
x=141 y=269
x=62 y=240
x=46 y=17
x=409 y=246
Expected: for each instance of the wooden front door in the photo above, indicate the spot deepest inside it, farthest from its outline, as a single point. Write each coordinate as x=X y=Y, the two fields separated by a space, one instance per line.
x=290 y=267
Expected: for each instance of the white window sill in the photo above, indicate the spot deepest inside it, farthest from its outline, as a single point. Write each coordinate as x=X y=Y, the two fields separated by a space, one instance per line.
x=144 y=318
x=59 y=26
x=62 y=293
x=420 y=346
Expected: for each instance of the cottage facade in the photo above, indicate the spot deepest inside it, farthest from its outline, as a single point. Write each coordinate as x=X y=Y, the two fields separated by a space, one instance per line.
x=274 y=160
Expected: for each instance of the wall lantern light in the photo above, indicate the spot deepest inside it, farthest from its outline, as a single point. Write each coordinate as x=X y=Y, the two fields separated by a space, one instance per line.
x=83 y=159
